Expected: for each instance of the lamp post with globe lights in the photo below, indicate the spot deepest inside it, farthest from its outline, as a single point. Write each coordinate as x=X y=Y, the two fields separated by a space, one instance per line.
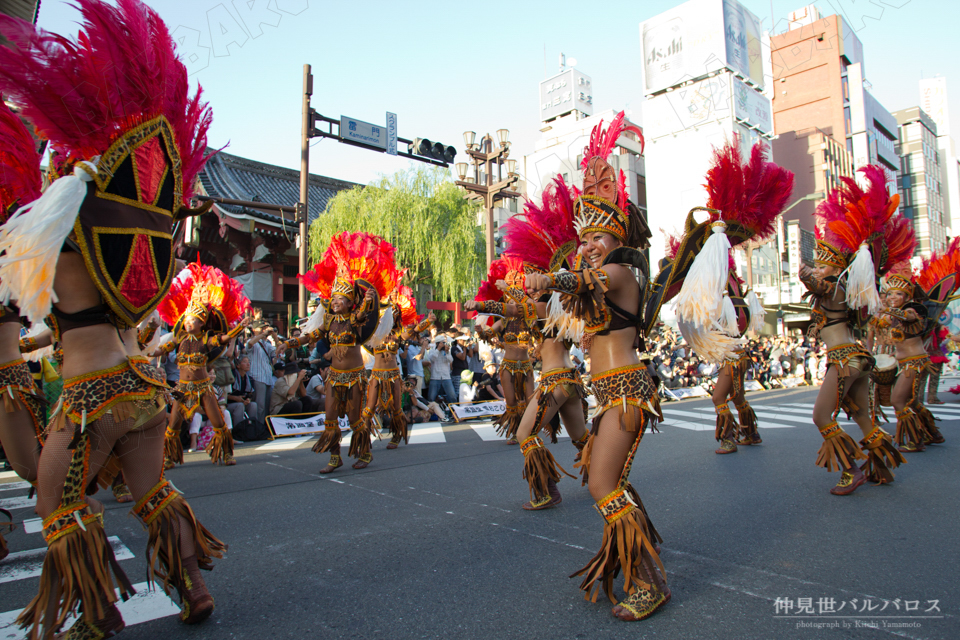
x=483 y=177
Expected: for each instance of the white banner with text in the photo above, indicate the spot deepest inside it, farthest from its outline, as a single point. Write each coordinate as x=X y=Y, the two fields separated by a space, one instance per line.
x=478 y=410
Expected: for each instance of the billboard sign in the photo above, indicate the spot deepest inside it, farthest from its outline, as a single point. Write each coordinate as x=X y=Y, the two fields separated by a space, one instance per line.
x=752 y=106
x=697 y=38
x=565 y=92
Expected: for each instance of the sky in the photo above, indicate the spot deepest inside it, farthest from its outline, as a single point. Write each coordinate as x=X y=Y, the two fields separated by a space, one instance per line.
x=448 y=67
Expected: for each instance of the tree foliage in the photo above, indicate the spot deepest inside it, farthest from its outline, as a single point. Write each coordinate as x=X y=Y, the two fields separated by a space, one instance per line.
x=426 y=217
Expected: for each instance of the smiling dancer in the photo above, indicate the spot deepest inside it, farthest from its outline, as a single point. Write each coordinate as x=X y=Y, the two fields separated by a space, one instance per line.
x=858 y=239
x=128 y=145
x=608 y=298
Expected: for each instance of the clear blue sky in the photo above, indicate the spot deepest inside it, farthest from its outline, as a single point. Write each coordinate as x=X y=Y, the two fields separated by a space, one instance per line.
x=445 y=70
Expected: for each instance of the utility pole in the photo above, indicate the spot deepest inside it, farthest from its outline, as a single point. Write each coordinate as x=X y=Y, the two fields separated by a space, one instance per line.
x=302 y=207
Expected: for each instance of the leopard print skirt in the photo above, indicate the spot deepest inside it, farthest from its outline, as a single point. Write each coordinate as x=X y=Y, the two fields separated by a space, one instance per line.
x=20 y=392
x=624 y=387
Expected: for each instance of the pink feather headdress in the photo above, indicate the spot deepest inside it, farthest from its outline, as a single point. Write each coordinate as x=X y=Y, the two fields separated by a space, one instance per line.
x=544 y=235
x=121 y=71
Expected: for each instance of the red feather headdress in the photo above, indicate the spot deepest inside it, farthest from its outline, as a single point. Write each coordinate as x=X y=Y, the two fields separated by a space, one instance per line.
x=201 y=288
x=20 y=179
x=752 y=194
x=408 y=306
x=936 y=267
x=351 y=257
x=488 y=288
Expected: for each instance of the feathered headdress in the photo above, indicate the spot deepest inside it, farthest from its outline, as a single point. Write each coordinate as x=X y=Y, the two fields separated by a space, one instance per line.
x=488 y=288
x=857 y=226
x=544 y=235
x=20 y=179
x=352 y=260
x=937 y=268
x=115 y=106
x=408 y=306
x=744 y=202
x=604 y=204
x=199 y=289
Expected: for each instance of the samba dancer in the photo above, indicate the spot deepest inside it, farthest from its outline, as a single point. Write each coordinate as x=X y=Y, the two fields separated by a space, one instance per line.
x=853 y=226
x=103 y=282
x=608 y=298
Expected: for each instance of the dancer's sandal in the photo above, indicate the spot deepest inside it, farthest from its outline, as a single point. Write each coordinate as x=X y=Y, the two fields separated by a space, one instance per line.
x=513 y=440
x=393 y=445
x=641 y=604
x=549 y=501
x=750 y=439
x=850 y=479
x=107 y=627
x=196 y=601
x=335 y=463
x=911 y=447
x=364 y=460
x=727 y=445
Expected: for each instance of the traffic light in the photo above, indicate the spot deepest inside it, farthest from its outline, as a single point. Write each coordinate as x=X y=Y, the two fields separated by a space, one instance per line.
x=435 y=150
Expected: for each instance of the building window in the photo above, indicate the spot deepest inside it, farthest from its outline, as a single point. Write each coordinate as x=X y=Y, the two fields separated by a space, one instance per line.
x=290 y=271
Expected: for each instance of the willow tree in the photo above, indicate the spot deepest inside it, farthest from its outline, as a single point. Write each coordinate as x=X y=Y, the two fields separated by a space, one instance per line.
x=426 y=217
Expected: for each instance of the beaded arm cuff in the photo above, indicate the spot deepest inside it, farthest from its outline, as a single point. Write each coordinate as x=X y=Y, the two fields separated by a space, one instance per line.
x=819 y=287
x=489 y=306
x=567 y=281
x=423 y=326
x=28 y=344
x=221 y=340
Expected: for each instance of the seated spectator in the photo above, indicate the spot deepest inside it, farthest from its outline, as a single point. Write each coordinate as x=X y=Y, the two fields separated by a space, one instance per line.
x=415 y=408
x=489 y=386
x=468 y=388
x=314 y=390
x=284 y=400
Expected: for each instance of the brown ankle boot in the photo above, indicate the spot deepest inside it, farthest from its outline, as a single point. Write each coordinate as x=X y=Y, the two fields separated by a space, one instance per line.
x=196 y=601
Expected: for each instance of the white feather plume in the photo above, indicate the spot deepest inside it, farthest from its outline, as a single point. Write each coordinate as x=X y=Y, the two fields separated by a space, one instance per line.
x=315 y=321
x=384 y=327
x=757 y=312
x=35 y=331
x=31 y=240
x=700 y=298
x=710 y=343
x=862 y=283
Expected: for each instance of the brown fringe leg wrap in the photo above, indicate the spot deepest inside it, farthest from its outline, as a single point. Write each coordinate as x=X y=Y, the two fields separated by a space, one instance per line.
x=220 y=446
x=163 y=511
x=727 y=426
x=508 y=422
x=361 y=442
x=330 y=438
x=539 y=467
x=910 y=429
x=881 y=456
x=399 y=428
x=109 y=474
x=4 y=551
x=748 y=424
x=839 y=451
x=584 y=462
x=626 y=546
x=931 y=434
x=78 y=570
x=172 y=448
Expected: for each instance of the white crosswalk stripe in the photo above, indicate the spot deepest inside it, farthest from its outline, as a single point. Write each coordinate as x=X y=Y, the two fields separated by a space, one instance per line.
x=283 y=444
x=14 y=486
x=148 y=604
x=20 y=565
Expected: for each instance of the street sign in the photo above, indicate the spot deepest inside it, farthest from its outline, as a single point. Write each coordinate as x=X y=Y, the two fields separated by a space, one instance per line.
x=371 y=135
x=391 y=133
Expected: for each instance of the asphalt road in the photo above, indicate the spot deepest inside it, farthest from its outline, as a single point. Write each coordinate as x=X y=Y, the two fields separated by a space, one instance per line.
x=430 y=541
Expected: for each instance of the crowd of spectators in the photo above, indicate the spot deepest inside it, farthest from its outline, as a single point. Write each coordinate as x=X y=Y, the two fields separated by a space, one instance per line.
x=773 y=361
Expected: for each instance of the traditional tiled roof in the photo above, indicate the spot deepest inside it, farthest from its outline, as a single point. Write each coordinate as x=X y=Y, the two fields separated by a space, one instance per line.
x=233 y=177
x=23 y=9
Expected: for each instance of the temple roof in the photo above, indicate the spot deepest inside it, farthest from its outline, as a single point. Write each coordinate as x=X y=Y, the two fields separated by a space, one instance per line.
x=230 y=176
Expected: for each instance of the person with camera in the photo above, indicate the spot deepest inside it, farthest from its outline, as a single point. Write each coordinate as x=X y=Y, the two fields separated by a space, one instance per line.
x=241 y=398
x=440 y=362
x=262 y=356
